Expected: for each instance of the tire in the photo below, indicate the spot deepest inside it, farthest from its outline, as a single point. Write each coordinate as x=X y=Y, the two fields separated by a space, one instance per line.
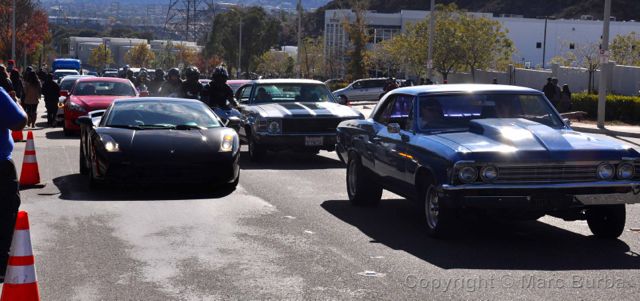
x=439 y=219
x=84 y=170
x=94 y=184
x=257 y=152
x=231 y=186
x=606 y=221
x=362 y=189
x=65 y=131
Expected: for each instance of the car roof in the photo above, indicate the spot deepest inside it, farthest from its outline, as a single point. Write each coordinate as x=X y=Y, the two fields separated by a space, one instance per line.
x=287 y=81
x=73 y=77
x=104 y=79
x=157 y=99
x=464 y=88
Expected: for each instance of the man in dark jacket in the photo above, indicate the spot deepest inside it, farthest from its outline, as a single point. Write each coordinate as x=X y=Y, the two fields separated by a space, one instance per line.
x=219 y=92
x=12 y=117
x=192 y=88
x=549 y=89
x=156 y=83
x=173 y=86
x=51 y=92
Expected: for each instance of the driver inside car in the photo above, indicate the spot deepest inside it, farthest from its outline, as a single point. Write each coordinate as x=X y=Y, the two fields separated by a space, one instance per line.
x=263 y=96
x=431 y=114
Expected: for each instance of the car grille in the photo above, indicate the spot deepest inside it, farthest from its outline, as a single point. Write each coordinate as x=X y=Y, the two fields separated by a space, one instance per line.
x=547 y=173
x=310 y=125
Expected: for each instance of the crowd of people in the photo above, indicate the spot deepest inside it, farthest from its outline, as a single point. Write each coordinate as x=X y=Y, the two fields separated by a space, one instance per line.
x=559 y=97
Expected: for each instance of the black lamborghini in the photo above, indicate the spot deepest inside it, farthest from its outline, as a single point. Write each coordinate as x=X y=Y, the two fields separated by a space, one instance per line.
x=158 y=141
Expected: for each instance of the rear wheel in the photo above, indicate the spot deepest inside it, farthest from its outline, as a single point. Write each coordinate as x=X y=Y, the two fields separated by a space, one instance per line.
x=439 y=218
x=606 y=221
x=257 y=152
x=66 y=131
x=362 y=189
x=344 y=100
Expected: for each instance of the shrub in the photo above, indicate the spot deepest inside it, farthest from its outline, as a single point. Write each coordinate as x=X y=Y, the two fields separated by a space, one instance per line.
x=620 y=108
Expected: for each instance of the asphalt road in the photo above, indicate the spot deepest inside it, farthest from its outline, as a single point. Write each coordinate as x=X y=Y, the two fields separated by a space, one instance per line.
x=288 y=232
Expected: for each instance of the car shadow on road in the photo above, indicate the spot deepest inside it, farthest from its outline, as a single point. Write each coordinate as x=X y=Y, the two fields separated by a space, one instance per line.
x=290 y=161
x=75 y=187
x=479 y=244
x=59 y=135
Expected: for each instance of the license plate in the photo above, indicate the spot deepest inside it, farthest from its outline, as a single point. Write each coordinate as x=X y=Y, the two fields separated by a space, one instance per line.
x=313 y=141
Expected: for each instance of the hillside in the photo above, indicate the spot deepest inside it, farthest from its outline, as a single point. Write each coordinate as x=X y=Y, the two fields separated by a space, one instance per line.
x=621 y=9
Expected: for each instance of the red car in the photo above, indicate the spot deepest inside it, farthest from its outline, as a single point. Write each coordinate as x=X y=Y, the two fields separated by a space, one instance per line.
x=94 y=93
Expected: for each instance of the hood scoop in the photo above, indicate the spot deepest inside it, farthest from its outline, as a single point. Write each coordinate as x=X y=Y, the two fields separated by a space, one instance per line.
x=520 y=133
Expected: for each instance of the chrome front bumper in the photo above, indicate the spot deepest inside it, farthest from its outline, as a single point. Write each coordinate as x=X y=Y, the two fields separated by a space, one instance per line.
x=633 y=185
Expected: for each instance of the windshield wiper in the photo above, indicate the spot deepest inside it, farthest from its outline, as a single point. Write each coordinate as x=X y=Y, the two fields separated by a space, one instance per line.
x=189 y=127
x=124 y=126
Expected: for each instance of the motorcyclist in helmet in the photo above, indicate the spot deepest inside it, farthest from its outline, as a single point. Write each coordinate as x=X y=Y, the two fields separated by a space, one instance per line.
x=156 y=83
x=218 y=91
x=142 y=82
x=125 y=70
x=173 y=86
x=191 y=87
x=131 y=77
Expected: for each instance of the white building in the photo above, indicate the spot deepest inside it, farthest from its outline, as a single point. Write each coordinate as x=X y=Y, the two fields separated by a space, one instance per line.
x=527 y=34
x=81 y=47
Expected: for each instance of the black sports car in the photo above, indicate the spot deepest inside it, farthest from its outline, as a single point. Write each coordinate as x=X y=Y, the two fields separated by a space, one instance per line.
x=294 y=114
x=157 y=141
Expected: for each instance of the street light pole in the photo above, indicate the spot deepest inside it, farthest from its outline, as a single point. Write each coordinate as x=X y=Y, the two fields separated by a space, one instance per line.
x=432 y=22
x=299 y=38
x=13 y=30
x=604 y=64
x=240 y=47
x=544 y=42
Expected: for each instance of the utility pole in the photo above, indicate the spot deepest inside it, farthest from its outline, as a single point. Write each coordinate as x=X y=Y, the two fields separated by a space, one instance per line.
x=432 y=25
x=604 y=64
x=299 y=39
x=13 y=30
x=544 y=42
x=240 y=46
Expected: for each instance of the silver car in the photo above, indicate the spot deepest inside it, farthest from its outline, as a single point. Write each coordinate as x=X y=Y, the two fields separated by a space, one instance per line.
x=368 y=89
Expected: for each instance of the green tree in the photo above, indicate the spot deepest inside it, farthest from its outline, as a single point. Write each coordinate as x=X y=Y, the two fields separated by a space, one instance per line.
x=357 y=32
x=140 y=56
x=101 y=56
x=166 y=58
x=260 y=32
x=312 y=58
x=484 y=43
x=275 y=64
x=625 y=49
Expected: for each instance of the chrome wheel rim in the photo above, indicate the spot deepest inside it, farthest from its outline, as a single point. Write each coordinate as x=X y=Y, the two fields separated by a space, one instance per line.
x=432 y=208
x=352 y=175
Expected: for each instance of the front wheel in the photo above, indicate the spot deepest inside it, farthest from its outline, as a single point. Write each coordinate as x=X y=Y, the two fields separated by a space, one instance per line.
x=361 y=188
x=257 y=152
x=439 y=218
x=83 y=163
x=606 y=221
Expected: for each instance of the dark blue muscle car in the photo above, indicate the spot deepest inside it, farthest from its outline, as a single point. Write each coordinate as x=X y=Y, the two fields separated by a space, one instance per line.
x=495 y=149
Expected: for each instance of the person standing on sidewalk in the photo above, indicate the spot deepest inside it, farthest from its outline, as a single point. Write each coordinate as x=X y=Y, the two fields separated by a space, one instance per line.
x=32 y=91
x=5 y=82
x=51 y=92
x=12 y=117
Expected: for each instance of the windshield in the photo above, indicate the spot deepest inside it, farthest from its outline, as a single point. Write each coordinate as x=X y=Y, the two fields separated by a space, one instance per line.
x=103 y=88
x=268 y=93
x=455 y=111
x=160 y=115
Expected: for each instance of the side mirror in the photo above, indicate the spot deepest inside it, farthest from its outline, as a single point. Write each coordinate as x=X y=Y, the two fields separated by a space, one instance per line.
x=84 y=120
x=64 y=93
x=144 y=94
x=393 y=128
x=567 y=121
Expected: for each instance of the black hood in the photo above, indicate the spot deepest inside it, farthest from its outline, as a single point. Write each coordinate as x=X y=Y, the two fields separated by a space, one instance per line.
x=305 y=109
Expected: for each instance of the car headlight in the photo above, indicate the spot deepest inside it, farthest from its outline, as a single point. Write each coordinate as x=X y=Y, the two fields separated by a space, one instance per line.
x=76 y=107
x=227 y=142
x=468 y=174
x=274 y=127
x=605 y=171
x=110 y=144
x=625 y=171
x=489 y=173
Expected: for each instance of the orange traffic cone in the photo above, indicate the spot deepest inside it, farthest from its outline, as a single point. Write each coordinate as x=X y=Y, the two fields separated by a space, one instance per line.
x=17 y=136
x=29 y=175
x=20 y=282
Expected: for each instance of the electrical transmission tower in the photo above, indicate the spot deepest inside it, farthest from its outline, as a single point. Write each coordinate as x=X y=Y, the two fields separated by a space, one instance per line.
x=189 y=19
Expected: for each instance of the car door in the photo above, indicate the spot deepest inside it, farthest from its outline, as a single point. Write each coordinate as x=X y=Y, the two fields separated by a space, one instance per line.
x=357 y=90
x=390 y=156
x=374 y=89
x=243 y=97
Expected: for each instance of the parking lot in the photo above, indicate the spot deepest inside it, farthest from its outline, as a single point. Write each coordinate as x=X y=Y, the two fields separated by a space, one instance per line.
x=289 y=232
